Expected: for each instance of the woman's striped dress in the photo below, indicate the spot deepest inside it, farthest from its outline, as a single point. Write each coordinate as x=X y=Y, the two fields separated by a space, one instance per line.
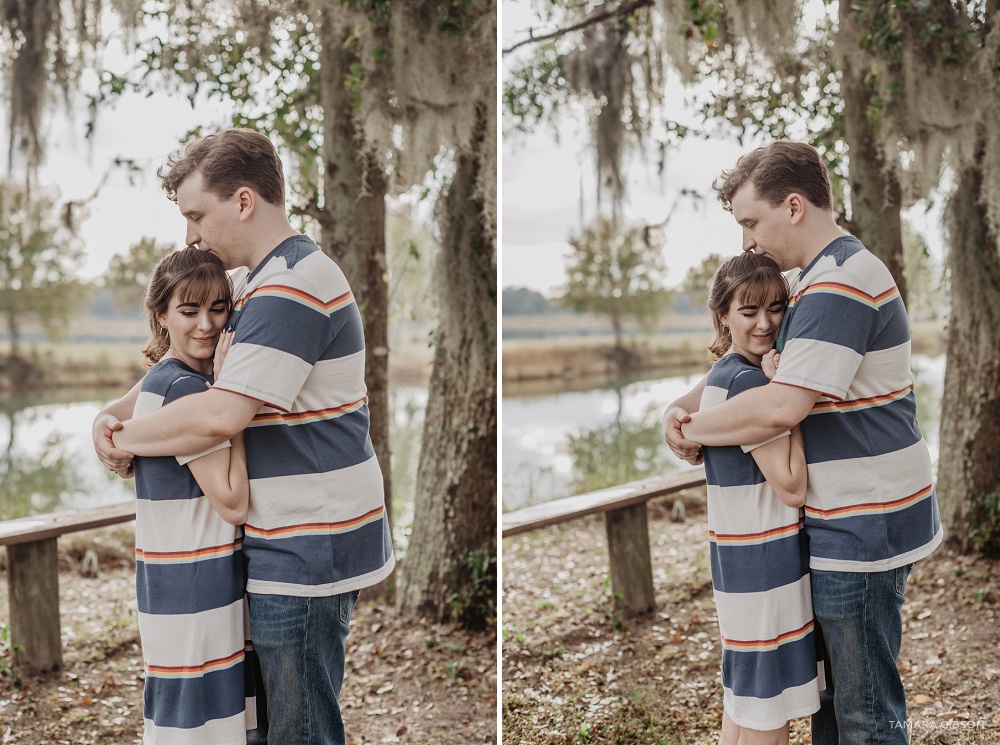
x=190 y=588
x=760 y=572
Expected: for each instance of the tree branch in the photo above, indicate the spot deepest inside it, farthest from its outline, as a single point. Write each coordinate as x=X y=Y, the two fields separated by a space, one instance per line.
x=622 y=10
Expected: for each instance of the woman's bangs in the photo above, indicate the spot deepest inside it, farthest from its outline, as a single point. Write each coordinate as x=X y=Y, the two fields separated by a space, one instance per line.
x=764 y=288
x=204 y=289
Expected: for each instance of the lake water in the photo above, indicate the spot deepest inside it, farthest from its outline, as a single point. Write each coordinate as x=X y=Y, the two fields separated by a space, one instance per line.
x=564 y=442
x=47 y=462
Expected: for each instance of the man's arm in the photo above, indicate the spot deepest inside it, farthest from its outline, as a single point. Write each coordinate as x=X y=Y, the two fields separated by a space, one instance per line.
x=190 y=425
x=107 y=421
x=675 y=415
x=753 y=416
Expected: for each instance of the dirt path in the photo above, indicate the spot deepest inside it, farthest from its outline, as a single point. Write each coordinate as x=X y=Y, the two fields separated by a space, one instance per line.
x=407 y=681
x=575 y=672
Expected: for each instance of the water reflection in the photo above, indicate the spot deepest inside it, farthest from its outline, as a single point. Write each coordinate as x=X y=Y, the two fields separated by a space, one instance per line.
x=622 y=450
x=562 y=441
x=47 y=462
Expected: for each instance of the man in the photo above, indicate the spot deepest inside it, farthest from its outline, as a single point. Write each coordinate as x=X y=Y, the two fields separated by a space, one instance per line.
x=294 y=380
x=844 y=374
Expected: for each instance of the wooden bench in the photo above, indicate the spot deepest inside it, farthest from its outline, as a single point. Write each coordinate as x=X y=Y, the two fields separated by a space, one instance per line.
x=624 y=509
x=33 y=577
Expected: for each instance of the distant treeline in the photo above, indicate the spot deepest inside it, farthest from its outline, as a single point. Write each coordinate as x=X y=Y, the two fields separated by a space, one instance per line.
x=521 y=301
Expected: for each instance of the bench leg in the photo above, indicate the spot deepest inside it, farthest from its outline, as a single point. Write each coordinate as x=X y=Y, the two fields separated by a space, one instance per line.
x=33 y=576
x=631 y=565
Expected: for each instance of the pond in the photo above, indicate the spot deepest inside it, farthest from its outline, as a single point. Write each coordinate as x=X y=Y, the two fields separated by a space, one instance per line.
x=47 y=462
x=579 y=437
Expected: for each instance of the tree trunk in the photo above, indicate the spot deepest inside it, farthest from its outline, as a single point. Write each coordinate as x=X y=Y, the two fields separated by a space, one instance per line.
x=876 y=197
x=14 y=330
x=969 y=463
x=450 y=569
x=354 y=229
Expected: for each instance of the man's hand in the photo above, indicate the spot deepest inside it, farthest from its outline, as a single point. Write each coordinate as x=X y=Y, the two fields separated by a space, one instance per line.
x=679 y=445
x=769 y=364
x=114 y=459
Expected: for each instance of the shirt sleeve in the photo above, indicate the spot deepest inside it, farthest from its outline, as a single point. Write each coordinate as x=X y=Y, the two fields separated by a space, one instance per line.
x=282 y=330
x=831 y=327
x=745 y=381
x=185 y=386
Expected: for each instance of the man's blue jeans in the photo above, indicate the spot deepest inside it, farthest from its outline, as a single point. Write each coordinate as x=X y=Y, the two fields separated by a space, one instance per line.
x=860 y=618
x=300 y=645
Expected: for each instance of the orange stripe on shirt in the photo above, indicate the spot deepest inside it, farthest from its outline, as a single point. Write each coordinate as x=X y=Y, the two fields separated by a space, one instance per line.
x=304 y=417
x=849 y=291
x=293 y=293
x=870 y=507
x=857 y=404
x=315 y=528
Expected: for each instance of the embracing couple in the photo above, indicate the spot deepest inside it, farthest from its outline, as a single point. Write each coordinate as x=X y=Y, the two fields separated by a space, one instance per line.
x=260 y=510
x=820 y=493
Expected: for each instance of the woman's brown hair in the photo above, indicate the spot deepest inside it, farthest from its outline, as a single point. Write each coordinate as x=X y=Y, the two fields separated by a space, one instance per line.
x=196 y=276
x=754 y=280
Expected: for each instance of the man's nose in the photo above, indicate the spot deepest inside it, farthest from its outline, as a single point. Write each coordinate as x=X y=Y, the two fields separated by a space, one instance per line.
x=192 y=238
x=749 y=244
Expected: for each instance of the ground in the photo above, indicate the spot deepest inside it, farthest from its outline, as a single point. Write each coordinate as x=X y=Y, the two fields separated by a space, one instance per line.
x=574 y=671
x=407 y=681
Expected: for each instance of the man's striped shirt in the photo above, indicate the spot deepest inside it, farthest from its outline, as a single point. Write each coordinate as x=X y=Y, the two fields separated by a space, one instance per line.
x=870 y=504
x=317 y=524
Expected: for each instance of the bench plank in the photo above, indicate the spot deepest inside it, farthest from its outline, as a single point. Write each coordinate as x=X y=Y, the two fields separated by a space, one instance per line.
x=52 y=525
x=613 y=498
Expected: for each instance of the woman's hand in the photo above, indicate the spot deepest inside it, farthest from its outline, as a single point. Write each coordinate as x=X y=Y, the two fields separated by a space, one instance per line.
x=221 y=350
x=769 y=364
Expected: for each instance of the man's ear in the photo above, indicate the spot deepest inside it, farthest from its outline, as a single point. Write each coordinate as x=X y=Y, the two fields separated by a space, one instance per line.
x=247 y=201
x=796 y=205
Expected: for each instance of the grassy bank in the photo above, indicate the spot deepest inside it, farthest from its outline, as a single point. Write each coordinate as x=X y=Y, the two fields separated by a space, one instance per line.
x=572 y=357
x=119 y=364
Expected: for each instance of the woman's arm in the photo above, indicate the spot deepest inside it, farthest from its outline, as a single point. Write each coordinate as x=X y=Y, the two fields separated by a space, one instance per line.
x=222 y=476
x=783 y=463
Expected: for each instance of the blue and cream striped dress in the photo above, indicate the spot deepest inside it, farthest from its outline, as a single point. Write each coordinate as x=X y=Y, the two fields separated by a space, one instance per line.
x=190 y=589
x=760 y=574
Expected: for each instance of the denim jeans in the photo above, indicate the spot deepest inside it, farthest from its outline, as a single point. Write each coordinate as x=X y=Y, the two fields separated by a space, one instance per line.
x=300 y=645
x=860 y=619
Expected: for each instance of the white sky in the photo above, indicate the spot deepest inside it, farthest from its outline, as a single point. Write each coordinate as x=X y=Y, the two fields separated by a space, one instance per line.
x=542 y=182
x=145 y=129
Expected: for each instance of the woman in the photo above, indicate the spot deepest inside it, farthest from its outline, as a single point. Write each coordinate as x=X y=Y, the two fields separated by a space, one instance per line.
x=760 y=562
x=189 y=567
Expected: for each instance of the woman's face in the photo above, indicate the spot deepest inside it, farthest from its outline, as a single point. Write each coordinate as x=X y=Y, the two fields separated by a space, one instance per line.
x=754 y=328
x=194 y=329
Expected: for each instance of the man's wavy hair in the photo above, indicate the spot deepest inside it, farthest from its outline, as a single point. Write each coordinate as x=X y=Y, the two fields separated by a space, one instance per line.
x=228 y=160
x=777 y=170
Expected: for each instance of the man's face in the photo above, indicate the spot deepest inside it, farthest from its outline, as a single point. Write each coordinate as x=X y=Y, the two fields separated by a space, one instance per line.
x=766 y=229
x=212 y=223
